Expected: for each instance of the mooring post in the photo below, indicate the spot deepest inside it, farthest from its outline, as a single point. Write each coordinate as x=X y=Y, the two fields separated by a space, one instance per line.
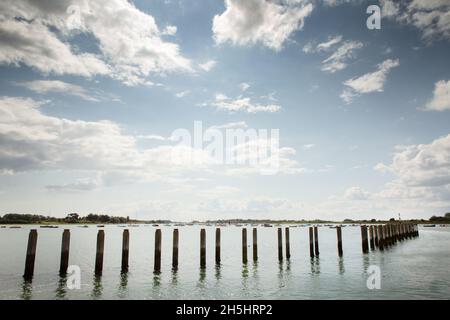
x=99 y=254
x=375 y=233
x=255 y=244
x=202 y=248
x=288 y=245
x=401 y=232
x=217 y=245
x=365 y=245
x=339 y=240
x=157 y=262
x=371 y=238
x=311 y=242
x=280 y=245
x=65 y=245
x=244 y=245
x=175 y=242
x=31 y=255
x=125 y=249
x=380 y=238
x=316 y=241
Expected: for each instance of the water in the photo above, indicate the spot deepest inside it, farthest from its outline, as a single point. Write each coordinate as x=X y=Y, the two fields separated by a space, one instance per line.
x=412 y=269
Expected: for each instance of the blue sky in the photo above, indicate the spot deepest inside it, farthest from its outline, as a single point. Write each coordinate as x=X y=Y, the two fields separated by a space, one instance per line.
x=91 y=93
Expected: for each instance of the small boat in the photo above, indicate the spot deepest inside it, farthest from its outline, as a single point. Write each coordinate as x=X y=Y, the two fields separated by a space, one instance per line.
x=179 y=225
x=100 y=226
x=267 y=225
x=2 y=227
x=155 y=225
x=85 y=226
x=429 y=225
x=15 y=227
x=49 y=227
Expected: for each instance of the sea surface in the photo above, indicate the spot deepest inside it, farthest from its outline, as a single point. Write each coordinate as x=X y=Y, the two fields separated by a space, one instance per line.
x=412 y=269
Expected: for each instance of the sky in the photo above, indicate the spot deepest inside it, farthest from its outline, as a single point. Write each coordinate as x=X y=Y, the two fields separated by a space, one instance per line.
x=93 y=94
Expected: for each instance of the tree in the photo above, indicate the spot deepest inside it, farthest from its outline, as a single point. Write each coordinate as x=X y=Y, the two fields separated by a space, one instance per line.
x=447 y=215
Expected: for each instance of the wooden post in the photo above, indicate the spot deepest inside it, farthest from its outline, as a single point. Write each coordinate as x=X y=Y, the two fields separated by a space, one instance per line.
x=311 y=242
x=157 y=262
x=125 y=249
x=288 y=245
x=380 y=238
x=376 y=235
x=31 y=255
x=65 y=245
x=316 y=241
x=372 y=239
x=280 y=245
x=202 y=248
x=339 y=240
x=175 y=249
x=244 y=245
x=255 y=244
x=217 y=245
x=99 y=254
x=365 y=245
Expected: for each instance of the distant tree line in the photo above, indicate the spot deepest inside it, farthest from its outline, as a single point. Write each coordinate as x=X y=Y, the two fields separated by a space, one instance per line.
x=70 y=218
x=445 y=218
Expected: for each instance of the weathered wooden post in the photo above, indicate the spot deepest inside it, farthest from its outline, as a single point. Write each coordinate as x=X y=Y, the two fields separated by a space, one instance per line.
x=255 y=244
x=339 y=240
x=175 y=242
x=316 y=241
x=157 y=258
x=125 y=249
x=288 y=245
x=372 y=238
x=311 y=242
x=217 y=245
x=99 y=254
x=31 y=255
x=401 y=232
x=202 y=248
x=365 y=245
x=280 y=245
x=375 y=232
x=65 y=246
x=380 y=238
x=244 y=245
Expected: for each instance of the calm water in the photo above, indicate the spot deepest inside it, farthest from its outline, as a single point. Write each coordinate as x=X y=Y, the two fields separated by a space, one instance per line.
x=413 y=269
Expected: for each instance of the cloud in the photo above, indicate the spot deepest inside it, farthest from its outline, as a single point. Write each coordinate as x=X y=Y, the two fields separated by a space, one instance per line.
x=244 y=86
x=169 y=30
x=431 y=17
x=338 y=60
x=79 y=185
x=222 y=102
x=182 y=93
x=208 y=65
x=267 y=22
x=130 y=49
x=356 y=193
x=369 y=82
x=230 y=125
x=56 y=86
x=441 y=97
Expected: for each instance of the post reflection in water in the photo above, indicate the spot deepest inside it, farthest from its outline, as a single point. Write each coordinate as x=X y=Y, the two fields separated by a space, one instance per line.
x=315 y=266
x=97 y=288
x=27 y=290
x=123 y=284
x=341 y=266
x=217 y=272
x=61 y=290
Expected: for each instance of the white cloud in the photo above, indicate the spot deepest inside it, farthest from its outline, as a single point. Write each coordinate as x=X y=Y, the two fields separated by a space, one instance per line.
x=369 y=82
x=356 y=193
x=131 y=48
x=79 y=185
x=441 y=97
x=431 y=17
x=244 y=86
x=338 y=60
x=343 y=51
x=267 y=22
x=230 y=125
x=56 y=86
x=169 y=30
x=208 y=65
x=309 y=146
x=182 y=93
x=222 y=102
